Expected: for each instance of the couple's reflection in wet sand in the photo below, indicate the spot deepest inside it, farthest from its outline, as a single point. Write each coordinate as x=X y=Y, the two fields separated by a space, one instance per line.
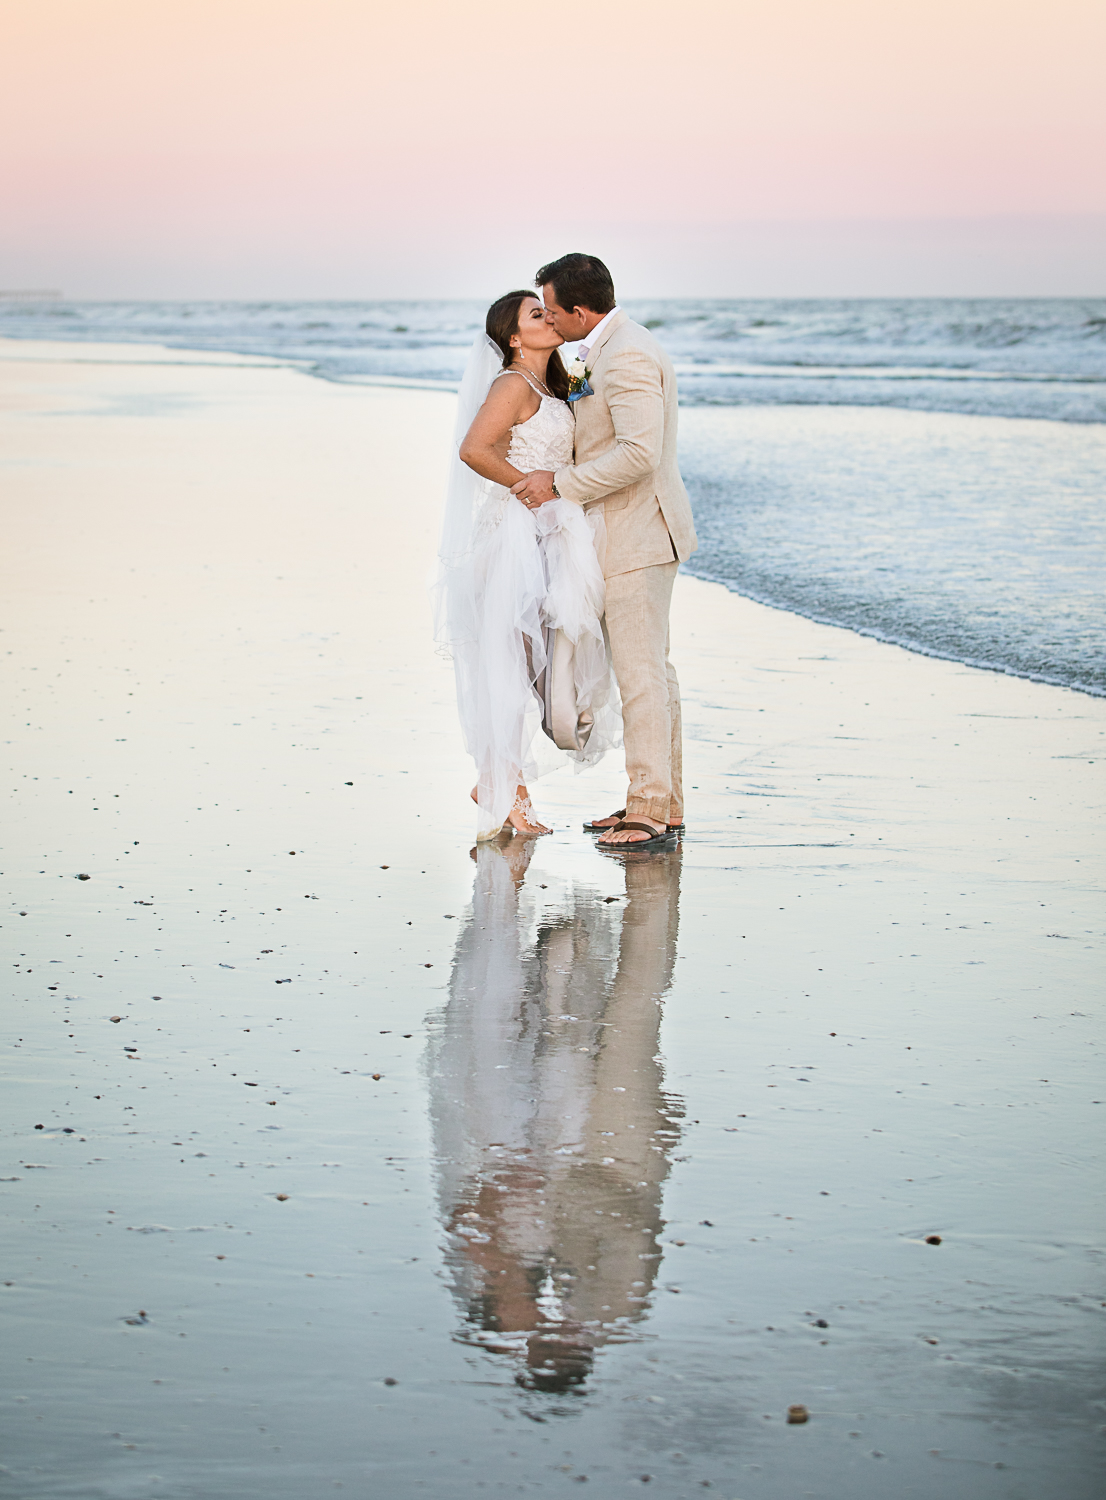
x=552 y=1131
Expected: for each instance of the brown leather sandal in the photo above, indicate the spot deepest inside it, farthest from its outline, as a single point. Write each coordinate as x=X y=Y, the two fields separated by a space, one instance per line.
x=656 y=840
x=596 y=827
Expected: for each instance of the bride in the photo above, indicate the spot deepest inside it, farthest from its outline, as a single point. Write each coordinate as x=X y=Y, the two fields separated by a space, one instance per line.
x=519 y=596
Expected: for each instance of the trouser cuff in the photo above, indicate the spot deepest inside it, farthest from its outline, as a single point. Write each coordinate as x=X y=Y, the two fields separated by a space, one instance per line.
x=648 y=807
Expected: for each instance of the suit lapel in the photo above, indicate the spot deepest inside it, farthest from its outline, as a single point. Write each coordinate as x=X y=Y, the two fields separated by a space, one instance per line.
x=596 y=349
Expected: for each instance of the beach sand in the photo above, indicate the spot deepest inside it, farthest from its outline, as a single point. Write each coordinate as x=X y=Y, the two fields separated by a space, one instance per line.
x=858 y=1009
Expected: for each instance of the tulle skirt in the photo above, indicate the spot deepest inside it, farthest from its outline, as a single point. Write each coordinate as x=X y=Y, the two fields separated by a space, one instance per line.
x=526 y=608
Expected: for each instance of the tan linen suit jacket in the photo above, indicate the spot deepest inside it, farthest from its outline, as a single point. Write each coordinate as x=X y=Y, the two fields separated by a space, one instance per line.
x=626 y=451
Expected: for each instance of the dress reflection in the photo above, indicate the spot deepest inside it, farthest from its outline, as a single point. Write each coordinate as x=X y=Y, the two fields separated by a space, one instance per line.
x=551 y=1127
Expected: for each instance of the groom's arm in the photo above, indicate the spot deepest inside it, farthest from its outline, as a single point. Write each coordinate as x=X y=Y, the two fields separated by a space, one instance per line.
x=633 y=392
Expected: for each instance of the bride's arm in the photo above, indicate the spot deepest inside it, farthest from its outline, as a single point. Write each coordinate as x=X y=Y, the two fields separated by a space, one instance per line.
x=484 y=446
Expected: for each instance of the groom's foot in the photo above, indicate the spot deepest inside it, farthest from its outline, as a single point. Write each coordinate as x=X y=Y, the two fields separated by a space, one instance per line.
x=600 y=825
x=631 y=836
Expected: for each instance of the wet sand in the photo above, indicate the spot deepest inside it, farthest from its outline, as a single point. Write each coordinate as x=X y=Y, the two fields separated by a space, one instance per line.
x=464 y=1174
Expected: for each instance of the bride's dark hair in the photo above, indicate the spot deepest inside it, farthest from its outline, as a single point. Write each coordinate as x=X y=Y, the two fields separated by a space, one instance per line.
x=502 y=322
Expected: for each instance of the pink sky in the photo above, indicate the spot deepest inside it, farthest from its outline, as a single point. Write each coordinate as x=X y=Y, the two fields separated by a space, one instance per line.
x=338 y=147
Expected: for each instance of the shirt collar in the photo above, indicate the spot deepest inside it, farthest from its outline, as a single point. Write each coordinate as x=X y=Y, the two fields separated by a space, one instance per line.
x=592 y=338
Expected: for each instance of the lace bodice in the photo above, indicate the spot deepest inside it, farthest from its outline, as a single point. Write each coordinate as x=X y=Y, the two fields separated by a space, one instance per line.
x=545 y=440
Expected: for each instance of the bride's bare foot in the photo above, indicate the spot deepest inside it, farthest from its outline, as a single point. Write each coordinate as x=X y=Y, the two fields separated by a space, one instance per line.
x=522 y=818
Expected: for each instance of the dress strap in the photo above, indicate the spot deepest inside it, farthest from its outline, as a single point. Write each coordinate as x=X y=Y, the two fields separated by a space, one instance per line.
x=540 y=394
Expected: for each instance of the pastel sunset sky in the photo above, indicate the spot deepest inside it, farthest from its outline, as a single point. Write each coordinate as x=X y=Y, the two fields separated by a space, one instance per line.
x=260 y=148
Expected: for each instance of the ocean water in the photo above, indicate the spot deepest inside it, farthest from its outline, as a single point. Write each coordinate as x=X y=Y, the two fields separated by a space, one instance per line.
x=981 y=539
x=929 y=471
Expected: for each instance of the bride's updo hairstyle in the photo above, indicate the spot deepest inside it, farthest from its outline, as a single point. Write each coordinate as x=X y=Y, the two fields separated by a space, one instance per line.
x=502 y=322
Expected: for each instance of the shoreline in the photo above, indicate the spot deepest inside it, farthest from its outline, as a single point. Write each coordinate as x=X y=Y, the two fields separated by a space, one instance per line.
x=871 y=633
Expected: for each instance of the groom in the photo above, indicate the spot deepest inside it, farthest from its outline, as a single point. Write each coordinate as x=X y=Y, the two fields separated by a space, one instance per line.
x=626 y=468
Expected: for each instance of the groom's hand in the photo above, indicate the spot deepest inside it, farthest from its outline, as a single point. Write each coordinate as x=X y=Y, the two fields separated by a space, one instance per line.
x=535 y=489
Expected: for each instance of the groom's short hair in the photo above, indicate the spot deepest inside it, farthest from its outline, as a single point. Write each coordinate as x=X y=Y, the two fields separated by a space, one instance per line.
x=579 y=281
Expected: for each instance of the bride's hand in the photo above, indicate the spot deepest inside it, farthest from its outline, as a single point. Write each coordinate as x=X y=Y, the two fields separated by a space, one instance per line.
x=535 y=489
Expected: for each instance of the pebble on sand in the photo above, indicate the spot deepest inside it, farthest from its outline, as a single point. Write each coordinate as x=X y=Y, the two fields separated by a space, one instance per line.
x=933 y=1239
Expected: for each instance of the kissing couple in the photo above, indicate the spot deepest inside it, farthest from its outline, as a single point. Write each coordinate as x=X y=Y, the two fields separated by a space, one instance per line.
x=566 y=521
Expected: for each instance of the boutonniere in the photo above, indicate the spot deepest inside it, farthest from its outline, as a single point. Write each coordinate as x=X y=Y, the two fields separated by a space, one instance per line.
x=578 y=385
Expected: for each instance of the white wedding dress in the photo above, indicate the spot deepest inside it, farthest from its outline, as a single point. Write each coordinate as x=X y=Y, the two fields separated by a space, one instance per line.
x=519 y=604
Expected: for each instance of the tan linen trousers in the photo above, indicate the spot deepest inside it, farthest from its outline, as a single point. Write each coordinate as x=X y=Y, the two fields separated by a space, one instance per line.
x=636 y=623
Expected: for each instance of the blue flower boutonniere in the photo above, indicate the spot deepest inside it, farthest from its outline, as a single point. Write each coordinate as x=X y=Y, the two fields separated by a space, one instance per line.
x=578 y=384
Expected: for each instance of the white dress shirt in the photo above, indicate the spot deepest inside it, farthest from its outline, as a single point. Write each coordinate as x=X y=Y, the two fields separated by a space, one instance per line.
x=588 y=341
